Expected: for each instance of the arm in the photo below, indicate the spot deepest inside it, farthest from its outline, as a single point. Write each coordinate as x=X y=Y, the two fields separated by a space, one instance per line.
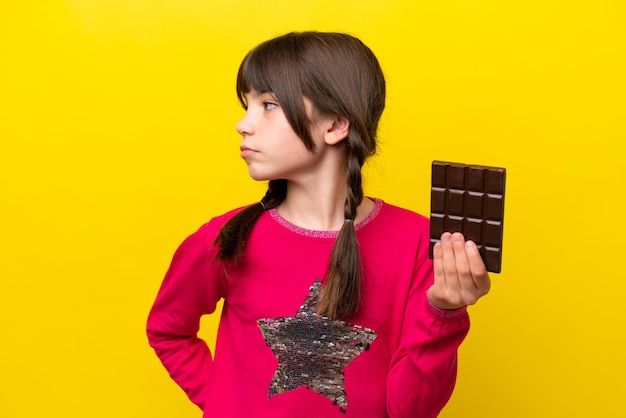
x=424 y=372
x=189 y=290
x=423 y=369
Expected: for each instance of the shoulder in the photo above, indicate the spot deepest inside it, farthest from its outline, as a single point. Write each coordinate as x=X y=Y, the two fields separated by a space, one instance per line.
x=398 y=228
x=399 y=218
x=208 y=231
x=219 y=220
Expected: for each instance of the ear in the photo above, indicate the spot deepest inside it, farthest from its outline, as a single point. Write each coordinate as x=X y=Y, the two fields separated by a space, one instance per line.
x=337 y=130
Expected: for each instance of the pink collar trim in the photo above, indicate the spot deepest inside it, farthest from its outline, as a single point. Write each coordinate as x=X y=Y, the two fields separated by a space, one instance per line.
x=378 y=204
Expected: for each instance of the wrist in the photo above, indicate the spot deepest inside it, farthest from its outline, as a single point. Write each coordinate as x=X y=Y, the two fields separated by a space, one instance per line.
x=442 y=303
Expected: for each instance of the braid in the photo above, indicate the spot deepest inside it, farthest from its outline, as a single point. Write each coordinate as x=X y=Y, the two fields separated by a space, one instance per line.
x=234 y=234
x=341 y=296
x=276 y=194
x=355 y=184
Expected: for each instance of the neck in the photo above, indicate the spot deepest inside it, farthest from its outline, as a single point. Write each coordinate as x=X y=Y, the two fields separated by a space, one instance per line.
x=319 y=207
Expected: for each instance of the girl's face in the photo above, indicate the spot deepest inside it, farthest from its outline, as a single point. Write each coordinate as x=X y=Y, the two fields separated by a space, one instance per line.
x=269 y=145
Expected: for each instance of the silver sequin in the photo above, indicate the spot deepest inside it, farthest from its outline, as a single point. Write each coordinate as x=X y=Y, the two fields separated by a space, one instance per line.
x=313 y=350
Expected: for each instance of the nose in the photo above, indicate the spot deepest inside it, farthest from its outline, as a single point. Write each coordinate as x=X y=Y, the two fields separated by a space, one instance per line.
x=244 y=126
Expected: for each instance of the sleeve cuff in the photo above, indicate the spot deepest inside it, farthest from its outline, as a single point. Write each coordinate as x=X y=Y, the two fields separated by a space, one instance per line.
x=444 y=313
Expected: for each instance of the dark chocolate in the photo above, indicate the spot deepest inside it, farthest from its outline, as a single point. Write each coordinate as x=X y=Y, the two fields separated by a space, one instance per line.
x=469 y=199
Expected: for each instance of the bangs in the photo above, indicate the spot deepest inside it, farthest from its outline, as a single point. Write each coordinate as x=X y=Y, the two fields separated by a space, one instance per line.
x=254 y=74
x=276 y=67
x=271 y=67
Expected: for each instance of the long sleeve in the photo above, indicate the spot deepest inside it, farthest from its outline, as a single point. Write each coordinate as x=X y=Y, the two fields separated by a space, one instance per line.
x=190 y=289
x=423 y=369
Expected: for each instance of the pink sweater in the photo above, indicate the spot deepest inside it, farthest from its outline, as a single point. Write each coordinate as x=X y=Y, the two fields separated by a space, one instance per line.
x=275 y=357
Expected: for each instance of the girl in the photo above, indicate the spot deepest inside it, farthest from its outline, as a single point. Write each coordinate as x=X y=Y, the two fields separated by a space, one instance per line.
x=331 y=303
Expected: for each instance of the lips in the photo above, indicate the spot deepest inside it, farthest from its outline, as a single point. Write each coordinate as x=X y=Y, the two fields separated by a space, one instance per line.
x=245 y=151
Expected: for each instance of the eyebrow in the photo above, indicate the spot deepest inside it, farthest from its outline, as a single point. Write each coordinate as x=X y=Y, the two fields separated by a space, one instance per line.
x=255 y=94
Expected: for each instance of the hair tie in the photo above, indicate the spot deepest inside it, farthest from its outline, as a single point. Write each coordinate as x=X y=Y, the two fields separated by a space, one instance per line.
x=349 y=220
x=262 y=204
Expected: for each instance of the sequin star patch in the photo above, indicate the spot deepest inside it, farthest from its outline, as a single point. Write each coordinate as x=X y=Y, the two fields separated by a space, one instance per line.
x=313 y=350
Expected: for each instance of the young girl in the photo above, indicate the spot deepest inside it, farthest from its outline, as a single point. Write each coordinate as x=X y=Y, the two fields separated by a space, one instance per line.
x=332 y=306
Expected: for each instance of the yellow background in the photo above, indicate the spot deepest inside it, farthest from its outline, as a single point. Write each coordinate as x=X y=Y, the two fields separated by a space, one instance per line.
x=117 y=140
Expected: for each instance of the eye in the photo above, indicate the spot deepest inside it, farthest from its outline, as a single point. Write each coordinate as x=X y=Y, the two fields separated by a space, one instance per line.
x=269 y=105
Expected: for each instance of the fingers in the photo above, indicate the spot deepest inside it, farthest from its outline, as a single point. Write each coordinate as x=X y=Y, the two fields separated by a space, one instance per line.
x=477 y=267
x=462 y=265
x=440 y=277
x=445 y=292
x=460 y=274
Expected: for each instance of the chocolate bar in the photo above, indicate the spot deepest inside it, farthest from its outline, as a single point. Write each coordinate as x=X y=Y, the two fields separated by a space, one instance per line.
x=469 y=199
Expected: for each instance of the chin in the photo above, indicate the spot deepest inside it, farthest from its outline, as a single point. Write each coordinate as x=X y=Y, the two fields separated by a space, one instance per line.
x=265 y=175
x=259 y=176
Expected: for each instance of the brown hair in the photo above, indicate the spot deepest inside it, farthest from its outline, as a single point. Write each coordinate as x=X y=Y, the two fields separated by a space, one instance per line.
x=341 y=77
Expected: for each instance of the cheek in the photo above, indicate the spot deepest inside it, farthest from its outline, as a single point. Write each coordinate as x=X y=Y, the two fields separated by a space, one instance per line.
x=291 y=140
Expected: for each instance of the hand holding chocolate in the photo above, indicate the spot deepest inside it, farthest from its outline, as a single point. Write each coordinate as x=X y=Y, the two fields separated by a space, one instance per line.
x=469 y=199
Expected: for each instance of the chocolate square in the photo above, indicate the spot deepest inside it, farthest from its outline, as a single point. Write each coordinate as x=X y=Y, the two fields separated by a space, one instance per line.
x=469 y=199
